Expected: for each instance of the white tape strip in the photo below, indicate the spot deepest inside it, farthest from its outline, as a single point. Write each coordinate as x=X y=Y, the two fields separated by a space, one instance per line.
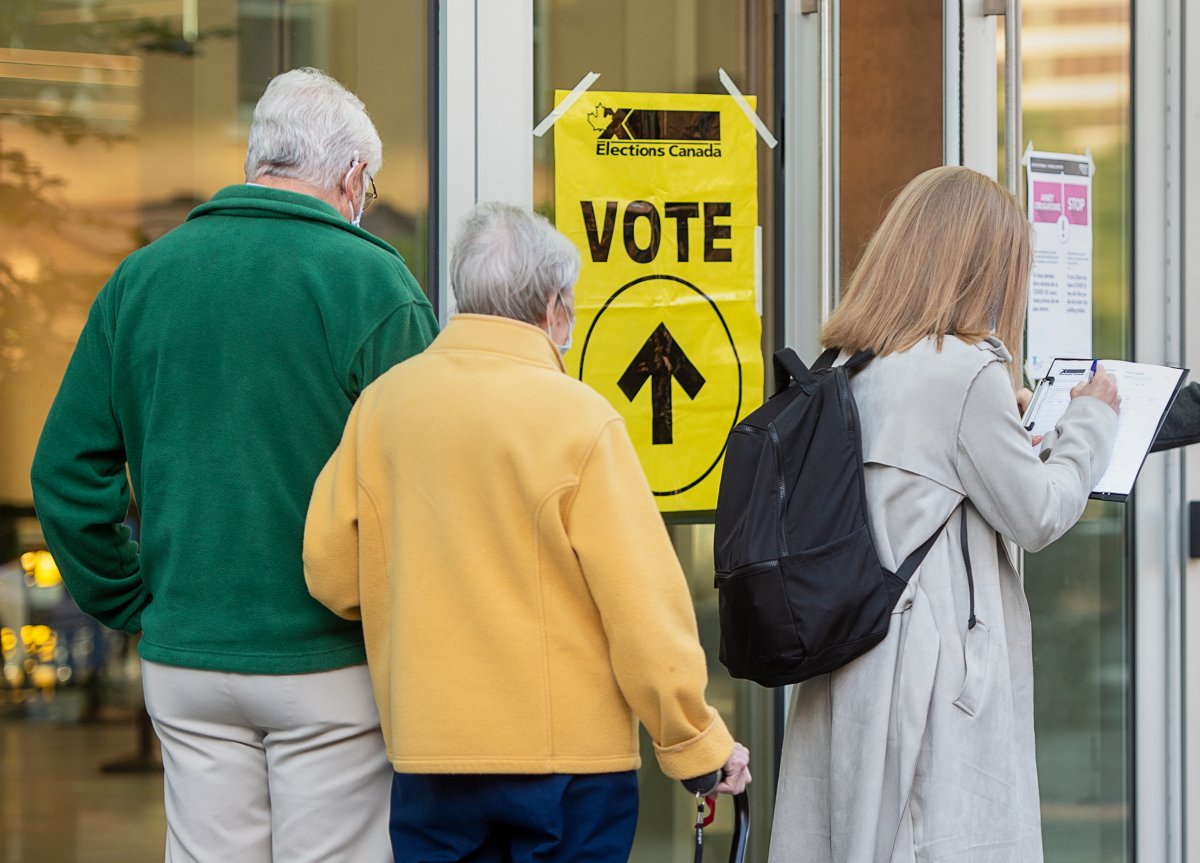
x=763 y=131
x=565 y=105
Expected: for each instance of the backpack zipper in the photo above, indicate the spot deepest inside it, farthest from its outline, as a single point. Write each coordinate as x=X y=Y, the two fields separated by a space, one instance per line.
x=844 y=396
x=745 y=571
x=777 y=449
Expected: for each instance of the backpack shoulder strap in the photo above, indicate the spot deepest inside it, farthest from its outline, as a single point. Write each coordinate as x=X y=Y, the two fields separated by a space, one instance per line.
x=826 y=359
x=859 y=360
x=854 y=363
x=789 y=367
x=966 y=553
x=914 y=560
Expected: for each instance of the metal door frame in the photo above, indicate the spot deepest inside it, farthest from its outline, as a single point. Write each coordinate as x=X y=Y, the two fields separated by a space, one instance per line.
x=1160 y=695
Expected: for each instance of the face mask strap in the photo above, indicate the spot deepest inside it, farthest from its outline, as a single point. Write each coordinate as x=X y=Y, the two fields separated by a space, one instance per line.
x=562 y=349
x=356 y=218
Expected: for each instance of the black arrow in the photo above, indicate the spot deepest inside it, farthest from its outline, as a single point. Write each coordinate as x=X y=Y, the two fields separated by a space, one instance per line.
x=661 y=359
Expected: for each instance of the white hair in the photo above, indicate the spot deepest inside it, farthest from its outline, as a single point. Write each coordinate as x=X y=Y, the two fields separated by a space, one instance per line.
x=309 y=127
x=509 y=261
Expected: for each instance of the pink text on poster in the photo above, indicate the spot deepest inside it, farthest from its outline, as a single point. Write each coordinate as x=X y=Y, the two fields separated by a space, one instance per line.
x=1047 y=201
x=1077 y=203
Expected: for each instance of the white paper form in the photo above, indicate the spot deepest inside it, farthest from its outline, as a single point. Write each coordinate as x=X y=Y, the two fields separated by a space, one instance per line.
x=1146 y=393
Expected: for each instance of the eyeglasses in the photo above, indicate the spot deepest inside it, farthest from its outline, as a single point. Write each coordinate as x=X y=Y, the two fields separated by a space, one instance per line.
x=372 y=195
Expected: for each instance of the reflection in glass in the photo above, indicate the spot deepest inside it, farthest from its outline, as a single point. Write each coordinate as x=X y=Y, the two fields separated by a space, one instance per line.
x=117 y=119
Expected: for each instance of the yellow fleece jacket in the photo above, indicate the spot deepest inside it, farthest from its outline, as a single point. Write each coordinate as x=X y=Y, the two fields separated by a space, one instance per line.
x=487 y=519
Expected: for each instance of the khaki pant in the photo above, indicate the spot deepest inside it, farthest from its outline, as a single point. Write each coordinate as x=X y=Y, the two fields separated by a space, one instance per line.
x=262 y=768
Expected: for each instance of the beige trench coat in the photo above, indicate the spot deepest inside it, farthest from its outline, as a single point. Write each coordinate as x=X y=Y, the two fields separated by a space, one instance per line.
x=922 y=749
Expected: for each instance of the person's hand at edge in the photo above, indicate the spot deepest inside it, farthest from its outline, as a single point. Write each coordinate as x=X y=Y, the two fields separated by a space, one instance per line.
x=735 y=774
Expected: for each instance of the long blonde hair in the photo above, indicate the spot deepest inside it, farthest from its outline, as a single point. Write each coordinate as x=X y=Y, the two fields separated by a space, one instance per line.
x=952 y=257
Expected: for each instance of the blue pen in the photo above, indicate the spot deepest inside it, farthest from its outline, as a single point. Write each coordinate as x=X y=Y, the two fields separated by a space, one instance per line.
x=1092 y=371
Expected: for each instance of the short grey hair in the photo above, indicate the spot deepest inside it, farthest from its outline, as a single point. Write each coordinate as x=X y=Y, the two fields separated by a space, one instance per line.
x=509 y=261
x=309 y=127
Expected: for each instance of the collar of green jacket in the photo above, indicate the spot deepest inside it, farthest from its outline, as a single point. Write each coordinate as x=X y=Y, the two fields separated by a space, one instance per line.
x=263 y=202
x=493 y=334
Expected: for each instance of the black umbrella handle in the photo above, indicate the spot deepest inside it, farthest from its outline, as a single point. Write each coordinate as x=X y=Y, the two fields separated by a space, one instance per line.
x=741 y=827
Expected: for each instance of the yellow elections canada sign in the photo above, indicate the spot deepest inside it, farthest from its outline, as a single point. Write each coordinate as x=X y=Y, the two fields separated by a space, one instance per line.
x=660 y=194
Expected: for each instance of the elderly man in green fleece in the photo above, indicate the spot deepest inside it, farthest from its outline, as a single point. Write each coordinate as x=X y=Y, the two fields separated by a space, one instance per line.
x=220 y=363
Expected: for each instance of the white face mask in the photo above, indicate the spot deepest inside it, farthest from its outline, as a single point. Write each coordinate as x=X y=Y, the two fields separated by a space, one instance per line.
x=562 y=349
x=362 y=205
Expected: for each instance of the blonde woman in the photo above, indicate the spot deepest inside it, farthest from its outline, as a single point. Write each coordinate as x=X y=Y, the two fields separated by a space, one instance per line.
x=922 y=749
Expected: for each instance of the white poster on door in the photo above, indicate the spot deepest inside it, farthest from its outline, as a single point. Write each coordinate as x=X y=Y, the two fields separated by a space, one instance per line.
x=1060 y=288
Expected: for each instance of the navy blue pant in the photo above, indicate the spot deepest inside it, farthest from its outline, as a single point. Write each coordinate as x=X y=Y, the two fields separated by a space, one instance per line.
x=513 y=819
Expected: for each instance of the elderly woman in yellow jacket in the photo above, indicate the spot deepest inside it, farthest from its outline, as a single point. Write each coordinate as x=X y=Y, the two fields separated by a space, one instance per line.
x=486 y=517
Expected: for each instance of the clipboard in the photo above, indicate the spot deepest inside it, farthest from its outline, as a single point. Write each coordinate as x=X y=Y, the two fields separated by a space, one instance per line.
x=1147 y=392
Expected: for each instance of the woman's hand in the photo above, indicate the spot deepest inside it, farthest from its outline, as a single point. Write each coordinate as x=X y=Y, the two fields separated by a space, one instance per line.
x=1103 y=386
x=1024 y=397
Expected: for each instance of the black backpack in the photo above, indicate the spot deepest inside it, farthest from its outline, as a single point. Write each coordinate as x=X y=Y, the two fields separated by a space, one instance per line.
x=801 y=588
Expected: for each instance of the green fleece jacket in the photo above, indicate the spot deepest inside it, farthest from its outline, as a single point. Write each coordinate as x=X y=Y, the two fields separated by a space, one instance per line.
x=220 y=363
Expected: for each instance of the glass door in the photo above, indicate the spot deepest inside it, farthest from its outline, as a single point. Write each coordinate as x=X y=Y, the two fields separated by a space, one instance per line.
x=116 y=119
x=905 y=94
x=677 y=46
x=895 y=77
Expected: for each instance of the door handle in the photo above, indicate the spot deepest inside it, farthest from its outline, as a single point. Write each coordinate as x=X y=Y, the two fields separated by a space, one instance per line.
x=1194 y=529
x=1013 y=144
x=828 y=99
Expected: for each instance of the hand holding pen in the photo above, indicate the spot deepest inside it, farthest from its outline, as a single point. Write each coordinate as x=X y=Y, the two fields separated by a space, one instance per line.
x=1101 y=385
